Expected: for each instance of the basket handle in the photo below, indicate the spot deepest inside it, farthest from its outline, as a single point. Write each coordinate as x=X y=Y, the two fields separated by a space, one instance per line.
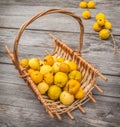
x=22 y=28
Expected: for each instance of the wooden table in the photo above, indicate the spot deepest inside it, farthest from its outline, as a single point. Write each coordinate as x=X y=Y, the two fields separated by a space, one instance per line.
x=18 y=105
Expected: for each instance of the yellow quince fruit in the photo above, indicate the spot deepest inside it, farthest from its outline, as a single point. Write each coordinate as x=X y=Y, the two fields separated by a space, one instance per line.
x=96 y=27
x=108 y=24
x=48 y=78
x=54 y=92
x=100 y=15
x=72 y=86
x=60 y=59
x=49 y=60
x=46 y=69
x=91 y=4
x=43 y=87
x=36 y=77
x=56 y=67
x=64 y=67
x=34 y=63
x=80 y=94
x=104 y=34
x=66 y=98
x=30 y=71
x=24 y=63
x=60 y=79
x=101 y=21
x=72 y=65
x=86 y=14
x=76 y=75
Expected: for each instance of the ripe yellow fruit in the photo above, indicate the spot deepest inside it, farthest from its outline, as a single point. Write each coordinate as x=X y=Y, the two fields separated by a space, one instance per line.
x=24 y=63
x=100 y=15
x=41 y=63
x=60 y=79
x=34 y=63
x=46 y=69
x=96 y=27
x=30 y=71
x=60 y=59
x=91 y=4
x=101 y=21
x=43 y=87
x=66 y=98
x=76 y=75
x=108 y=25
x=36 y=77
x=72 y=65
x=48 y=78
x=54 y=92
x=104 y=34
x=83 y=4
x=80 y=94
x=64 y=67
x=56 y=66
x=86 y=14
x=49 y=60
x=73 y=86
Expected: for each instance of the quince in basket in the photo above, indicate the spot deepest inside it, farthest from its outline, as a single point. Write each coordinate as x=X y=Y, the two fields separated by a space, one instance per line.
x=76 y=75
x=24 y=63
x=34 y=63
x=54 y=92
x=66 y=98
x=46 y=69
x=60 y=79
x=36 y=76
x=56 y=78
x=56 y=67
x=49 y=78
x=72 y=86
x=43 y=87
x=49 y=60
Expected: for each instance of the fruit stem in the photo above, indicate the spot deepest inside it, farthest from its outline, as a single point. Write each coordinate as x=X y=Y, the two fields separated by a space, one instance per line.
x=114 y=43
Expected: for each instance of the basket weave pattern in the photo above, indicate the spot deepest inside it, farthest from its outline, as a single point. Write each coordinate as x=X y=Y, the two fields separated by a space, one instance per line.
x=89 y=73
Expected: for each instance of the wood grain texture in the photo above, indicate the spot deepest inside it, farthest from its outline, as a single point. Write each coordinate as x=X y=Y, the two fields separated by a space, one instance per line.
x=18 y=105
x=65 y=23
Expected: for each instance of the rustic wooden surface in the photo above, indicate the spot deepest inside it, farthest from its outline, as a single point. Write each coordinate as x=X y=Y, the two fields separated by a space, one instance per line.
x=18 y=105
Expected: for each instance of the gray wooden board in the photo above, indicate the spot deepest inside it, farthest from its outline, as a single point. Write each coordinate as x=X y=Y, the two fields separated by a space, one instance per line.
x=14 y=17
x=94 y=50
x=18 y=105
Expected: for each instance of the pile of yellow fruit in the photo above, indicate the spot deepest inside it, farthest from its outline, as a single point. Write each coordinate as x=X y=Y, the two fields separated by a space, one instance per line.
x=89 y=5
x=57 y=78
x=102 y=25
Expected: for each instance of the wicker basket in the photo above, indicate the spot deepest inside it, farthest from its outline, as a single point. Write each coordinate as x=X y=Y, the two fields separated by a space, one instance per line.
x=90 y=74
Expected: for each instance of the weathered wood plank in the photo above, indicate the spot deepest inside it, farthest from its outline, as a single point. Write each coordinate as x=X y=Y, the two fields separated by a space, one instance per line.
x=12 y=17
x=62 y=3
x=96 y=51
x=108 y=115
x=18 y=105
